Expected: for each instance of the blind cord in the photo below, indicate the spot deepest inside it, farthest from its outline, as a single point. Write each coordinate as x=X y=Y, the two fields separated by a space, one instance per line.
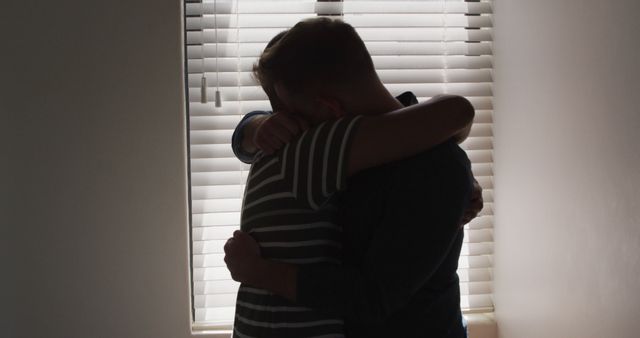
x=445 y=40
x=238 y=56
x=215 y=17
x=203 y=79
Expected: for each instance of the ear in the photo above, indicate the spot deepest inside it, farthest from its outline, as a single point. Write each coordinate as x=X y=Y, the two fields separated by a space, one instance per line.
x=332 y=105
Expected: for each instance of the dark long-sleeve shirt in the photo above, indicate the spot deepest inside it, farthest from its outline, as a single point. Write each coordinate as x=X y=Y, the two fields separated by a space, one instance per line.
x=401 y=249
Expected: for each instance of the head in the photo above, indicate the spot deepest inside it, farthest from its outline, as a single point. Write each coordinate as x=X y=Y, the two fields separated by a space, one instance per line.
x=320 y=68
x=269 y=89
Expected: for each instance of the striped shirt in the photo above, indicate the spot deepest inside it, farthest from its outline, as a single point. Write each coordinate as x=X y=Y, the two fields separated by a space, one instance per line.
x=287 y=208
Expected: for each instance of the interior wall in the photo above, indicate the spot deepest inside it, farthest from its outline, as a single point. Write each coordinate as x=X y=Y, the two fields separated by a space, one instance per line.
x=567 y=168
x=97 y=203
x=92 y=98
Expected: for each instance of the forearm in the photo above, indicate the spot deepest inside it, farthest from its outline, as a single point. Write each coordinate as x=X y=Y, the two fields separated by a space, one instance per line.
x=336 y=289
x=248 y=137
x=242 y=139
x=462 y=135
x=408 y=131
x=279 y=278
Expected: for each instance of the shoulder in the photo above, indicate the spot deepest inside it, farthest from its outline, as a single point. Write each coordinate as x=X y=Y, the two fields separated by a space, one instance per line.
x=446 y=159
x=334 y=128
x=443 y=170
x=445 y=155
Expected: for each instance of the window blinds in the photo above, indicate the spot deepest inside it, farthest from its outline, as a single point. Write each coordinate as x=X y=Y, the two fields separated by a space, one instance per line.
x=427 y=47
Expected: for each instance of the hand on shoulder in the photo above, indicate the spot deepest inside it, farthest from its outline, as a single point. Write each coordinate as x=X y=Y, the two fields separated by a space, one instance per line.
x=272 y=132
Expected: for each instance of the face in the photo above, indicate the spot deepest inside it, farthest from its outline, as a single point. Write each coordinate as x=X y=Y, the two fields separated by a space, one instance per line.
x=315 y=111
x=273 y=98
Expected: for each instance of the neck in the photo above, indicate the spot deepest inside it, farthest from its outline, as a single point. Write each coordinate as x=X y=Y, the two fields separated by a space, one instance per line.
x=373 y=101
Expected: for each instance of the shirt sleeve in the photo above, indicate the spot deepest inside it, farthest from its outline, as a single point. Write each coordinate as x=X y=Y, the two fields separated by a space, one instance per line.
x=416 y=233
x=315 y=164
x=238 y=134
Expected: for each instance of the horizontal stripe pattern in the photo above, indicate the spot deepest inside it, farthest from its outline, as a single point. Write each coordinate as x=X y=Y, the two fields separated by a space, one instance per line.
x=287 y=209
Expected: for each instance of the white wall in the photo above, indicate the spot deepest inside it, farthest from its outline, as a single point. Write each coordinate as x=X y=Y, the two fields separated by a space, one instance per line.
x=567 y=168
x=97 y=212
x=92 y=98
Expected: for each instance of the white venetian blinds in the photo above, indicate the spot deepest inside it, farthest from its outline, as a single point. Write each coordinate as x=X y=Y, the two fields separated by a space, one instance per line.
x=427 y=47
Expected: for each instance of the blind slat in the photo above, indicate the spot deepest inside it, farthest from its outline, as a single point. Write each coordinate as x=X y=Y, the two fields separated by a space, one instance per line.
x=226 y=191
x=215 y=219
x=381 y=62
x=389 y=76
x=421 y=34
x=392 y=48
x=420 y=89
x=283 y=20
x=212 y=287
x=482 y=105
x=360 y=7
x=215 y=316
x=219 y=178
x=476 y=301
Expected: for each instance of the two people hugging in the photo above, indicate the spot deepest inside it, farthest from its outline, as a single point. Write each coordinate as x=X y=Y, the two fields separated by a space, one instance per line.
x=353 y=210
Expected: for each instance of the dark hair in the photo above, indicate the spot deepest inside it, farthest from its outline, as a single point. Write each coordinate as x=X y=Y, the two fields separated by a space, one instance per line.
x=268 y=88
x=317 y=54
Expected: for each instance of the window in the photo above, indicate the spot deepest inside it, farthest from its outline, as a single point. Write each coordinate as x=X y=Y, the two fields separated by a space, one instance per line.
x=428 y=47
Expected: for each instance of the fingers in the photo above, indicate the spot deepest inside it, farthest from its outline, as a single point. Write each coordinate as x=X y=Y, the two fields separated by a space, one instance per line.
x=475 y=204
x=241 y=235
x=277 y=130
x=468 y=217
x=290 y=123
x=265 y=143
x=476 y=189
x=302 y=123
x=280 y=132
x=472 y=210
x=282 y=127
x=239 y=240
x=231 y=243
x=228 y=246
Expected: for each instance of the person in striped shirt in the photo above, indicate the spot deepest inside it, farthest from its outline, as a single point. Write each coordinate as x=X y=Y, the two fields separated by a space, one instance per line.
x=288 y=206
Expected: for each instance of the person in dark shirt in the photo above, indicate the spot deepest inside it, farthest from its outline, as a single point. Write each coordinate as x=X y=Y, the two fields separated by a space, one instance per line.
x=401 y=245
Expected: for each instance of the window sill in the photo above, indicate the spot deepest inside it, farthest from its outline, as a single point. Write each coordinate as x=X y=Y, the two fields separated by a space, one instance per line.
x=480 y=325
